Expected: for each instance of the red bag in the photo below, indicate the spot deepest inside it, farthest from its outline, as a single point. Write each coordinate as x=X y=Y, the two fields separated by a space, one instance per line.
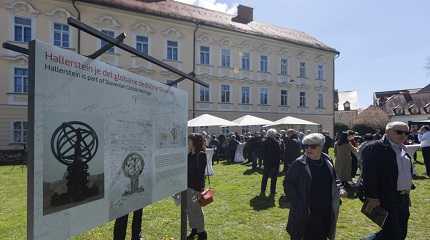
x=206 y=197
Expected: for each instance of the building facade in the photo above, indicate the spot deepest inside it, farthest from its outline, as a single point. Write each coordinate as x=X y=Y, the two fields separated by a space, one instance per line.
x=346 y=107
x=251 y=68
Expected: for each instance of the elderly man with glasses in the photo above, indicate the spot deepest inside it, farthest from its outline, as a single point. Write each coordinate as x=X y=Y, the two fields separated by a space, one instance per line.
x=387 y=180
x=313 y=193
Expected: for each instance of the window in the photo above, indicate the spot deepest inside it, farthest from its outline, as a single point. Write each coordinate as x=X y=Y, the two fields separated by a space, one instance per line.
x=245 y=95
x=302 y=71
x=302 y=100
x=263 y=96
x=320 y=72
x=19 y=131
x=103 y=43
x=225 y=94
x=20 y=80
x=22 y=29
x=204 y=55
x=61 y=35
x=284 y=98
x=320 y=100
x=225 y=58
x=263 y=64
x=284 y=67
x=172 y=50
x=245 y=61
x=204 y=94
x=142 y=44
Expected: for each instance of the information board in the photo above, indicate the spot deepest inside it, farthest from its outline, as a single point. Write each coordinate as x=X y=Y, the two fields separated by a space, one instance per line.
x=103 y=142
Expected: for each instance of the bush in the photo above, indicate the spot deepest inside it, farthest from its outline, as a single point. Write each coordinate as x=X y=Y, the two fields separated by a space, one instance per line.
x=363 y=129
x=371 y=119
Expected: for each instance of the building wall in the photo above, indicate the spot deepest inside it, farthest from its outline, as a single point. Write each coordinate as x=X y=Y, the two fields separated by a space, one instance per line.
x=346 y=117
x=45 y=12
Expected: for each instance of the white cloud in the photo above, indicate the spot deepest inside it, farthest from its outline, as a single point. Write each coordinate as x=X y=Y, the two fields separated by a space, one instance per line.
x=213 y=5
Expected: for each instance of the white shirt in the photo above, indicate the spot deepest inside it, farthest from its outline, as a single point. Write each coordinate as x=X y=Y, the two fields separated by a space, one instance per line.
x=404 y=179
x=424 y=139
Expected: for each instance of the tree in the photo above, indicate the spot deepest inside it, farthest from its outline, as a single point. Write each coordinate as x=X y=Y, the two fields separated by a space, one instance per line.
x=340 y=127
x=371 y=120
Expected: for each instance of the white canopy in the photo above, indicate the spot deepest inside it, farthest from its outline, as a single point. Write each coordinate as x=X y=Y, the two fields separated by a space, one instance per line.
x=292 y=121
x=207 y=120
x=249 y=120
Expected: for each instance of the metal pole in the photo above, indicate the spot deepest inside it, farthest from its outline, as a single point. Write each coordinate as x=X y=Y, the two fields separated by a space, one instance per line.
x=184 y=215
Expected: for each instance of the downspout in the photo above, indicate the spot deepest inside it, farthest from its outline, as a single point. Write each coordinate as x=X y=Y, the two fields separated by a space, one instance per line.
x=79 y=31
x=194 y=68
x=334 y=112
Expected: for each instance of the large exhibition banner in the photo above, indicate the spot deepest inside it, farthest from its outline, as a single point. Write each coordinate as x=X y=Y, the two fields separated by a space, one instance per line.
x=103 y=142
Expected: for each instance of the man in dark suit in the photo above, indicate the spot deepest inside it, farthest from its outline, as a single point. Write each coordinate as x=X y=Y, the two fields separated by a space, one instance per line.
x=387 y=179
x=271 y=162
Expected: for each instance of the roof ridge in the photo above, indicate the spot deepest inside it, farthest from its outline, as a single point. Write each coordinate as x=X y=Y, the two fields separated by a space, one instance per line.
x=196 y=6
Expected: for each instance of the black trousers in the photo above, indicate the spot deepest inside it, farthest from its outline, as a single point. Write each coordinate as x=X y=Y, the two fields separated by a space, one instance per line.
x=120 y=228
x=426 y=156
x=318 y=227
x=396 y=225
x=271 y=173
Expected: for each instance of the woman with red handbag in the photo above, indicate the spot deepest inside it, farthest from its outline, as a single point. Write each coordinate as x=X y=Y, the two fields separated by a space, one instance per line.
x=196 y=185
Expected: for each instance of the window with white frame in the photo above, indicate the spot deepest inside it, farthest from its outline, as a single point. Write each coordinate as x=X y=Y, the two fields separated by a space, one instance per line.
x=245 y=61
x=172 y=50
x=284 y=97
x=320 y=100
x=264 y=95
x=302 y=100
x=142 y=44
x=61 y=35
x=103 y=43
x=204 y=94
x=22 y=29
x=263 y=64
x=20 y=80
x=204 y=55
x=245 y=95
x=19 y=130
x=284 y=66
x=225 y=57
x=302 y=70
x=320 y=72
x=225 y=93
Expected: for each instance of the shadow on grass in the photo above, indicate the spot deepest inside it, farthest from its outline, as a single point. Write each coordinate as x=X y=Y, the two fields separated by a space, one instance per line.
x=228 y=163
x=259 y=203
x=417 y=177
x=284 y=202
x=251 y=171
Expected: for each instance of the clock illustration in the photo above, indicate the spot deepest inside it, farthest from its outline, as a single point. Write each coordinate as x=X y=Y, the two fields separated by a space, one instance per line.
x=133 y=166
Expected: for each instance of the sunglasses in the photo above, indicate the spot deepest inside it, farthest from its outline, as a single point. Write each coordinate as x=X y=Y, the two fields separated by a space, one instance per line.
x=400 y=132
x=313 y=146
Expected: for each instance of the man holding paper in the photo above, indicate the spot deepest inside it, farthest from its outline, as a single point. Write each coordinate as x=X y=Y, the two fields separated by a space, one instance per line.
x=387 y=180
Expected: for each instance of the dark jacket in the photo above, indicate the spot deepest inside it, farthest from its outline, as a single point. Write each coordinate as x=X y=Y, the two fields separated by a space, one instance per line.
x=293 y=149
x=327 y=144
x=380 y=172
x=271 y=154
x=196 y=171
x=298 y=180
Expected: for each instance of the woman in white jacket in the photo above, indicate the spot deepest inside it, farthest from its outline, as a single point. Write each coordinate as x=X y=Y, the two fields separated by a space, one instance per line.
x=424 y=138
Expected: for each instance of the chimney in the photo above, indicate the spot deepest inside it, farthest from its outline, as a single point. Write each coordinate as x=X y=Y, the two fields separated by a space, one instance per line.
x=245 y=14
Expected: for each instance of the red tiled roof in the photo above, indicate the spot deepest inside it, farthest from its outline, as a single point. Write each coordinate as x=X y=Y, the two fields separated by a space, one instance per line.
x=191 y=13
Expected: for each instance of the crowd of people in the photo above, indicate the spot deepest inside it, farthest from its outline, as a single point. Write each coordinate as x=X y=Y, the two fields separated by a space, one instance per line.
x=377 y=166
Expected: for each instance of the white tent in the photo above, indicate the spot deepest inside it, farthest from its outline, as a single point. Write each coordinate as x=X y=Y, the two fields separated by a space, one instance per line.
x=249 y=120
x=292 y=121
x=207 y=120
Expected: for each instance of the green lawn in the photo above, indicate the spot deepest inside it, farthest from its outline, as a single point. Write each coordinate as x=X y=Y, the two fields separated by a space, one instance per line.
x=235 y=214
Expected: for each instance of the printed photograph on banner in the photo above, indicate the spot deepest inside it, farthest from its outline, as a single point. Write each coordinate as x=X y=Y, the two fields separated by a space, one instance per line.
x=73 y=170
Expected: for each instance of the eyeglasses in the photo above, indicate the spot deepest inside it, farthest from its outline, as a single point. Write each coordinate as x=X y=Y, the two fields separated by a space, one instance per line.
x=312 y=146
x=400 y=132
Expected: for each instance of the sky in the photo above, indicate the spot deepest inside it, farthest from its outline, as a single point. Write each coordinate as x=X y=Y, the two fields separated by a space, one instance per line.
x=384 y=45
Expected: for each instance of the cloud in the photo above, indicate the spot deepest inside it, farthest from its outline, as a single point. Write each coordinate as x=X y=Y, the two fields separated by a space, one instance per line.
x=213 y=5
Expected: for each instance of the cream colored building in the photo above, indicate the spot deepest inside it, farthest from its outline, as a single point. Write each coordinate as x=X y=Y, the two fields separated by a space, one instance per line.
x=252 y=68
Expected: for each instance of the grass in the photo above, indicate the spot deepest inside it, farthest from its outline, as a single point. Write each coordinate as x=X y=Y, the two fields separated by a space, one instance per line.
x=235 y=214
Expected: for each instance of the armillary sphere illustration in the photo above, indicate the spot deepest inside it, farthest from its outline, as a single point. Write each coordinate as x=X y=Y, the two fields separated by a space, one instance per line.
x=75 y=144
x=133 y=166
